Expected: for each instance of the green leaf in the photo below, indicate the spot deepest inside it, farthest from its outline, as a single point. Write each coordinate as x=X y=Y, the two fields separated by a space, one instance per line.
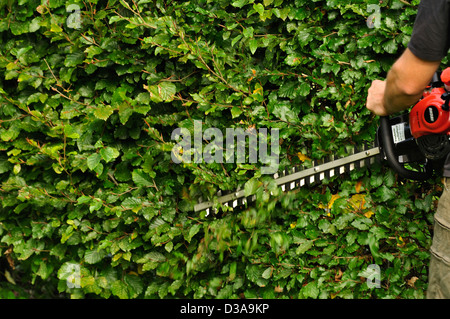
x=376 y=181
x=103 y=112
x=236 y=111
x=163 y=91
x=282 y=13
x=267 y=273
x=374 y=246
x=254 y=273
x=73 y=59
x=5 y=166
x=248 y=32
x=169 y=246
x=285 y=112
x=233 y=268
x=304 y=247
x=152 y=256
x=10 y=134
x=95 y=205
x=304 y=89
x=86 y=91
x=361 y=223
x=259 y=8
x=236 y=39
x=109 y=153
x=239 y=3
x=251 y=186
x=119 y=289
x=193 y=231
x=70 y=132
x=140 y=178
x=310 y=290
x=390 y=46
x=93 y=51
x=17 y=169
x=385 y=193
x=134 y=285
x=93 y=160
x=94 y=256
x=125 y=111
x=122 y=172
x=18 y=27
x=253 y=44
x=132 y=203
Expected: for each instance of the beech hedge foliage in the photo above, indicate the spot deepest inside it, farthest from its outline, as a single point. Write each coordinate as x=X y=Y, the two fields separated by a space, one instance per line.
x=92 y=204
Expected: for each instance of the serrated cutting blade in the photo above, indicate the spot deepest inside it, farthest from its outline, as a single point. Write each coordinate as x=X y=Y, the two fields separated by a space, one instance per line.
x=294 y=178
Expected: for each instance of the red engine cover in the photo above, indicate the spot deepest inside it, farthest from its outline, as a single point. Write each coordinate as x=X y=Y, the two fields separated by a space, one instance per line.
x=427 y=116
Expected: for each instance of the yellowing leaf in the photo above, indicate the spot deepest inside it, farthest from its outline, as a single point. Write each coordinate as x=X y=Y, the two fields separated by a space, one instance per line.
x=185 y=193
x=369 y=214
x=332 y=200
x=103 y=112
x=303 y=157
x=358 y=201
x=327 y=208
x=116 y=257
x=9 y=277
x=55 y=28
x=17 y=169
x=258 y=90
x=401 y=242
x=358 y=186
x=136 y=209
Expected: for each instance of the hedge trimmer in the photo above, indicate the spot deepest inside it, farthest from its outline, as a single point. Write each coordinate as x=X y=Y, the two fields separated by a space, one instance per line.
x=414 y=144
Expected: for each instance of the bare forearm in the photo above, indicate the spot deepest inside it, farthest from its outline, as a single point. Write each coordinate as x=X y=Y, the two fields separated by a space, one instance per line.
x=397 y=97
x=404 y=85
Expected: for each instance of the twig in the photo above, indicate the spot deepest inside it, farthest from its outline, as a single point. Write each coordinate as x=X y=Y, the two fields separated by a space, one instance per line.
x=69 y=98
x=51 y=71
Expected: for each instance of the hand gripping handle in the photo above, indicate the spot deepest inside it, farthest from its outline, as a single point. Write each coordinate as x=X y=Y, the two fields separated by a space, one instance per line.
x=388 y=147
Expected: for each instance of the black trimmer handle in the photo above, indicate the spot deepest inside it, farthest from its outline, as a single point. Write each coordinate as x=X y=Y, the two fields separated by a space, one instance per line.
x=392 y=159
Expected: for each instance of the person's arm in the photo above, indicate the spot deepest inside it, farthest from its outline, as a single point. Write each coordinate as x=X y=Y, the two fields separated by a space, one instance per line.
x=404 y=85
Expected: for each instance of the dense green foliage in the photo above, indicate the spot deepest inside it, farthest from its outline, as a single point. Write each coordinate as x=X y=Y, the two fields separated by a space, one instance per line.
x=89 y=99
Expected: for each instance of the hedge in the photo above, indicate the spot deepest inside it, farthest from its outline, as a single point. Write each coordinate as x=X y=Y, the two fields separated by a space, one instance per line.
x=92 y=203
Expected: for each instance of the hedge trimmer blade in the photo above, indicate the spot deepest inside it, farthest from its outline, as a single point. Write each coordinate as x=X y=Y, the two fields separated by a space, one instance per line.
x=294 y=178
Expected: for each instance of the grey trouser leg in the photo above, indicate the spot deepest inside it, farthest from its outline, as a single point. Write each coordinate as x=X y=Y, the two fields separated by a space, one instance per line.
x=439 y=271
